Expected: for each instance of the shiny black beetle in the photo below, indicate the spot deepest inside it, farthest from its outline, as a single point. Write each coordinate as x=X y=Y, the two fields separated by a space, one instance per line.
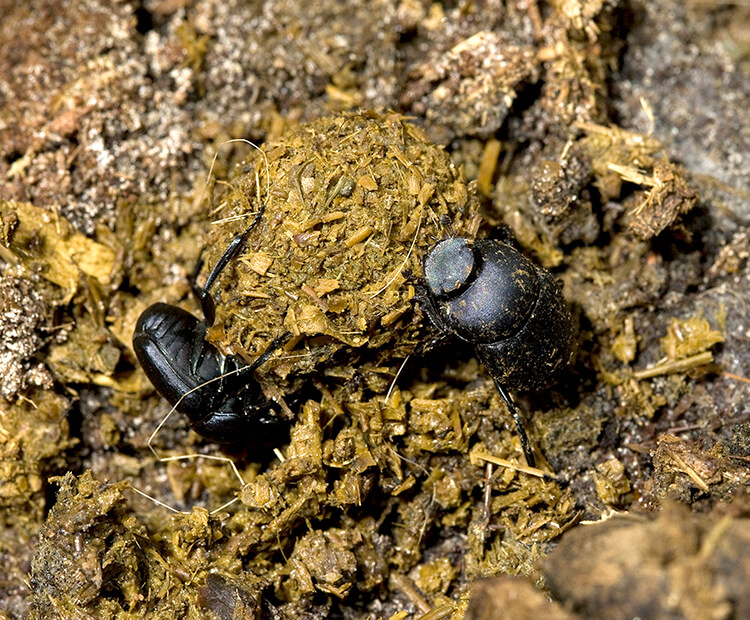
x=513 y=313
x=218 y=394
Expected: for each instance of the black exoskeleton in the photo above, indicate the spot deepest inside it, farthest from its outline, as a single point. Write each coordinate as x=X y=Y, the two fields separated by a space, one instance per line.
x=513 y=313
x=218 y=394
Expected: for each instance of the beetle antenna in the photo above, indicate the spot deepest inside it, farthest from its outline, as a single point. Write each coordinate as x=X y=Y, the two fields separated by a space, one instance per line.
x=445 y=222
x=525 y=444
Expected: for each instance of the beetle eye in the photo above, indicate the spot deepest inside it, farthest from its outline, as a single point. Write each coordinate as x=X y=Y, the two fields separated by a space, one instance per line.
x=448 y=267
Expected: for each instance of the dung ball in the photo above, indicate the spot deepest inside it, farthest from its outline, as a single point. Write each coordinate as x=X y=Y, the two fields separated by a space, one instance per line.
x=351 y=204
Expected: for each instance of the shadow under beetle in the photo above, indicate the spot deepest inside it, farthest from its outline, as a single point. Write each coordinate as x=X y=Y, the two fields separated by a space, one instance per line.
x=513 y=313
x=218 y=394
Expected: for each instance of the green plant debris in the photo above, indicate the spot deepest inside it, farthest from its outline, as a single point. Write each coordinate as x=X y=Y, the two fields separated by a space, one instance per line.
x=675 y=366
x=685 y=347
x=38 y=243
x=684 y=470
x=689 y=337
x=48 y=244
x=555 y=209
x=471 y=87
x=638 y=399
x=597 y=280
x=618 y=155
x=402 y=482
x=611 y=482
x=34 y=435
x=669 y=197
x=625 y=344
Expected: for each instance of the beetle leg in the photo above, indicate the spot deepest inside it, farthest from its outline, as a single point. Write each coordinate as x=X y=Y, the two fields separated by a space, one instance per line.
x=197 y=290
x=238 y=380
x=207 y=300
x=427 y=305
x=423 y=348
x=525 y=444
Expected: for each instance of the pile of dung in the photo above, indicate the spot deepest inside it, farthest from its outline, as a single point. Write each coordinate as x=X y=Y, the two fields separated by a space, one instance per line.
x=351 y=204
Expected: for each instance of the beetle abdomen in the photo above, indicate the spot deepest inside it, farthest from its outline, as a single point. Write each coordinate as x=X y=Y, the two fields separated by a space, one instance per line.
x=543 y=347
x=175 y=360
x=235 y=422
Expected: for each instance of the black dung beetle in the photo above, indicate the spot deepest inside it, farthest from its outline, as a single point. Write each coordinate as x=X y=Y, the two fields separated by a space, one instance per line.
x=217 y=393
x=512 y=312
